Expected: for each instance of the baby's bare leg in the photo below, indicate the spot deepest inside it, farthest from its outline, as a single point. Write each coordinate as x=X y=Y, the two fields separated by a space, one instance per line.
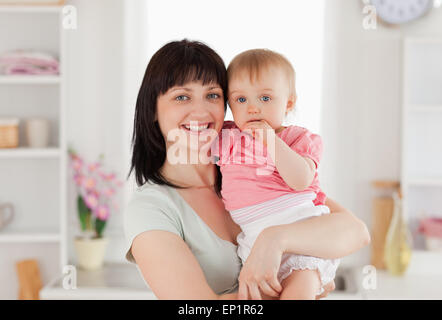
x=300 y=285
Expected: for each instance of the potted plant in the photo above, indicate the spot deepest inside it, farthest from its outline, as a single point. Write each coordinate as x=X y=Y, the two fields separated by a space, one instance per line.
x=95 y=201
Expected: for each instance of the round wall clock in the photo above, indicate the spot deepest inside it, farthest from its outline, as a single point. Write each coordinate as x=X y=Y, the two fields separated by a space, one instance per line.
x=401 y=11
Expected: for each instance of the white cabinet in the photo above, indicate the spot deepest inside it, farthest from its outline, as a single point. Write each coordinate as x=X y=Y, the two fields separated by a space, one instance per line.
x=33 y=180
x=421 y=172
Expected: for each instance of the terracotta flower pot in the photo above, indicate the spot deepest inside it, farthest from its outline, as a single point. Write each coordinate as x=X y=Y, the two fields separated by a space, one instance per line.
x=90 y=252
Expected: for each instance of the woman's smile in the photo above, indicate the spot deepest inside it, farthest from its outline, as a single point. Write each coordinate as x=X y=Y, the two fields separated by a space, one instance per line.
x=195 y=126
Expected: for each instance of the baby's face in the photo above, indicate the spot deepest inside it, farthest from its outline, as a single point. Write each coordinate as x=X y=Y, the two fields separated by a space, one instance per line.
x=267 y=98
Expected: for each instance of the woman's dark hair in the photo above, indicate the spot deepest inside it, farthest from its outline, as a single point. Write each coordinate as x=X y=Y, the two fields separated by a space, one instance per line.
x=176 y=63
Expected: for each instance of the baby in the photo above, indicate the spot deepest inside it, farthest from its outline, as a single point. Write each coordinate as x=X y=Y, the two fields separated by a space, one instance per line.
x=269 y=171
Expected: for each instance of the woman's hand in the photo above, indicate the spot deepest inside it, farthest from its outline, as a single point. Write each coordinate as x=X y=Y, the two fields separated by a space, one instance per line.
x=260 y=270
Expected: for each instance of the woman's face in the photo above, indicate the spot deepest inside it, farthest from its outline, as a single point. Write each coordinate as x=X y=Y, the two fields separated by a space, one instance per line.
x=190 y=114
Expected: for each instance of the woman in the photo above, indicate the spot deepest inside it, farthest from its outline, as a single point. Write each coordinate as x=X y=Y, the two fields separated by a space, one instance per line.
x=178 y=232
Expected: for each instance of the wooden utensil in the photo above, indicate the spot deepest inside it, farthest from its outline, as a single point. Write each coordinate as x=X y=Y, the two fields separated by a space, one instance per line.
x=381 y=217
x=29 y=279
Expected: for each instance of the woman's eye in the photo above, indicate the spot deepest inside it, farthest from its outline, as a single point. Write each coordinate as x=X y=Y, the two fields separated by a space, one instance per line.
x=182 y=98
x=241 y=100
x=265 y=98
x=213 y=96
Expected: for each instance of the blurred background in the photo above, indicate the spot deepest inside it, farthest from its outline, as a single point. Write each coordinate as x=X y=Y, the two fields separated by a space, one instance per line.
x=369 y=80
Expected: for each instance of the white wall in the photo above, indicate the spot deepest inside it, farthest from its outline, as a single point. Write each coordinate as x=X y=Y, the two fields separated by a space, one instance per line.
x=361 y=111
x=95 y=99
x=230 y=27
x=361 y=95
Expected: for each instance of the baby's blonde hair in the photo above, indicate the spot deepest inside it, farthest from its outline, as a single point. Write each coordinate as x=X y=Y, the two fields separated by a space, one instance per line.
x=255 y=60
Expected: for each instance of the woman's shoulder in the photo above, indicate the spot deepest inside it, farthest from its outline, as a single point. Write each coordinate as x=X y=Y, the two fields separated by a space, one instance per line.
x=147 y=187
x=151 y=204
x=152 y=194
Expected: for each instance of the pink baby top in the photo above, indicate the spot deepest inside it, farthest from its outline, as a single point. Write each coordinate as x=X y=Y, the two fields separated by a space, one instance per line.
x=249 y=173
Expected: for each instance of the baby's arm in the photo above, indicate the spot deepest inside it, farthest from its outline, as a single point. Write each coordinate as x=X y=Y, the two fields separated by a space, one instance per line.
x=297 y=171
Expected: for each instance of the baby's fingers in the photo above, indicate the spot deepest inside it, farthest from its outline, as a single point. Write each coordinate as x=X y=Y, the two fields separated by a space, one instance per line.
x=249 y=131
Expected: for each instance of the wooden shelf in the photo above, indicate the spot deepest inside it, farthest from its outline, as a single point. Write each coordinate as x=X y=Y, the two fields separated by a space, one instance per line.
x=24 y=152
x=29 y=79
x=426 y=182
x=426 y=108
x=28 y=237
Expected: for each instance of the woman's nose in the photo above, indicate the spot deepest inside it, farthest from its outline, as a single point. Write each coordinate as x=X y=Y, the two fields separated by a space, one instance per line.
x=200 y=107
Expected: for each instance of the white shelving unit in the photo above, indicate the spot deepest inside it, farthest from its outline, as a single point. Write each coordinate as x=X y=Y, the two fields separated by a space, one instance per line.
x=31 y=153
x=30 y=79
x=34 y=180
x=29 y=236
x=421 y=172
x=29 y=9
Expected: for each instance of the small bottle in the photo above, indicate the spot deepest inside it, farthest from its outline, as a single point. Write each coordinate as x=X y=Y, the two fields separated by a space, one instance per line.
x=398 y=243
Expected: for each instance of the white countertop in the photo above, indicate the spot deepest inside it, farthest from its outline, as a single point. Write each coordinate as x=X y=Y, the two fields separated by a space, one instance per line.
x=115 y=281
x=422 y=280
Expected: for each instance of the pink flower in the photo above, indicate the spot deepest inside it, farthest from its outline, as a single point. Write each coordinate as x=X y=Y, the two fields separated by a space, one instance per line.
x=78 y=178
x=89 y=183
x=109 y=192
x=108 y=177
x=93 y=166
x=77 y=163
x=91 y=200
x=102 y=212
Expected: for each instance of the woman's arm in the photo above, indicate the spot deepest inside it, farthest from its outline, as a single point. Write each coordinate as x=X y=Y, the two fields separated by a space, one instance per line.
x=170 y=268
x=328 y=236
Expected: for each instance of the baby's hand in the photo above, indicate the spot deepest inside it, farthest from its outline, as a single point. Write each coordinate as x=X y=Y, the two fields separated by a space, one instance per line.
x=260 y=130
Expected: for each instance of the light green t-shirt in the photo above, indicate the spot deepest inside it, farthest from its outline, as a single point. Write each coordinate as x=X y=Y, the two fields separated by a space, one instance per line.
x=160 y=207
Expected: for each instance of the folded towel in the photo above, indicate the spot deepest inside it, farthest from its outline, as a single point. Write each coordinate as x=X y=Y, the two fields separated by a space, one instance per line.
x=28 y=62
x=29 y=69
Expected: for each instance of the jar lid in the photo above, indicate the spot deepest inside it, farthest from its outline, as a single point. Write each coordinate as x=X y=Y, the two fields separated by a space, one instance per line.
x=9 y=121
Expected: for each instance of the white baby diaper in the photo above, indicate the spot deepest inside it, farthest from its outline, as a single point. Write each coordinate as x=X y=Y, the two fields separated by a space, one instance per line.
x=326 y=267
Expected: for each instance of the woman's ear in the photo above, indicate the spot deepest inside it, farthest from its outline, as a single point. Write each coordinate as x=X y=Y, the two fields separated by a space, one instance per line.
x=291 y=103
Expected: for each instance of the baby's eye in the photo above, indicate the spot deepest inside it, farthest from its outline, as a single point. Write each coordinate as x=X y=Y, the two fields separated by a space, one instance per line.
x=241 y=99
x=182 y=98
x=265 y=98
x=213 y=96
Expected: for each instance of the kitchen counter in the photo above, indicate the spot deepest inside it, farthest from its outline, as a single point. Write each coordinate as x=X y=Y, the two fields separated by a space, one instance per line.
x=421 y=281
x=115 y=281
